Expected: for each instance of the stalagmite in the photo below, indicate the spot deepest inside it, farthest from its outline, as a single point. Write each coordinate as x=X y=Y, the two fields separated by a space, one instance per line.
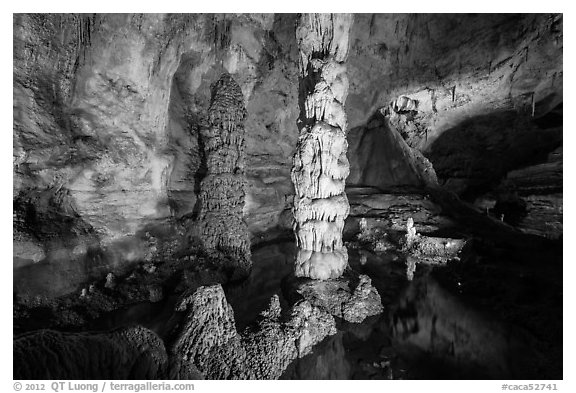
x=207 y=338
x=320 y=166
x=221 y=225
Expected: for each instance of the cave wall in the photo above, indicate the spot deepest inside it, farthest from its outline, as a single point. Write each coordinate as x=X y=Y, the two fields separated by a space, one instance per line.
x=106 y=117
x=479 y=82
x=107 y=109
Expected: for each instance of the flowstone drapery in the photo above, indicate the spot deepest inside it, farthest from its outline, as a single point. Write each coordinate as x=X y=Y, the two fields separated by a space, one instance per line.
x=320 y=166
x=221 y=225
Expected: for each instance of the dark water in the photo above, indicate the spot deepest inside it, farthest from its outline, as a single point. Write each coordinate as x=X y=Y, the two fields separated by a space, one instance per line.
x=425 y=332
x=271 y=264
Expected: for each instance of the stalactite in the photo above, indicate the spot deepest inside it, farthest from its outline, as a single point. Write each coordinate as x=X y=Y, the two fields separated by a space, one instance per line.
x=320 y=165
x=221 y=225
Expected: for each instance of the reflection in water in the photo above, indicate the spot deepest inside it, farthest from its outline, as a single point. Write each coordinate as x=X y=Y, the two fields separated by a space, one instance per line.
x=64 y=271
x=431 y=326
x=153 y=316
x=59 y=274
x=424 y=333
x=328 y=362
x=271 y=264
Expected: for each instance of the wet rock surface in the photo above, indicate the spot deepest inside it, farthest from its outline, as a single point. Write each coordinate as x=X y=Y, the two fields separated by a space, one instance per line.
x=209 y=340
x=107 y=111
x=127 y=353
x=351 y=297
x=91 y=304
x=371 y=209
x=404 y=341
x=454 y=124
x=436 y=327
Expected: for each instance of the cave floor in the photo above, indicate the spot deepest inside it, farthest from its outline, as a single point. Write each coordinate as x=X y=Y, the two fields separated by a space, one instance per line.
x=494 y=312
x=481 y=317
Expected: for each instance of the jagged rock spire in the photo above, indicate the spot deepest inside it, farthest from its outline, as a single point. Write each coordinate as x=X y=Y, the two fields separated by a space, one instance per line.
x=221 y=225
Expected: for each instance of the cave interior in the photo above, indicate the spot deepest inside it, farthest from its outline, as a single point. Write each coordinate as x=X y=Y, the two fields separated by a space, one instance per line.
x=287 y=196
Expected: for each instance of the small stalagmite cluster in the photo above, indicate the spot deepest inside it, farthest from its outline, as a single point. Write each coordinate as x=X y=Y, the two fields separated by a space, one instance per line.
x=320 y=165
x=207 y=337
x=222 y=194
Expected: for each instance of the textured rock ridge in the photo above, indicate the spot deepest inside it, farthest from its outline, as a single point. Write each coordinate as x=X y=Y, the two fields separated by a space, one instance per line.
x=352 y=298
x=531 y=199
x=221 y=227
x=106 y=110
x=427 y=250
x=208 y=339
x=127 y=353
x=320 y=165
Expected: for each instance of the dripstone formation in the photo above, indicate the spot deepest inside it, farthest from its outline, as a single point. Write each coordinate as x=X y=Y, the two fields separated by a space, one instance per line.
x=207 y=337
x=320 y=165
x=221 y=225
x=125 y=353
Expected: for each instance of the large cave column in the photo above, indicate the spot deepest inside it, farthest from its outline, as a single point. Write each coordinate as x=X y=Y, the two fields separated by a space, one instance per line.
x=222 y=192
x=320 y=165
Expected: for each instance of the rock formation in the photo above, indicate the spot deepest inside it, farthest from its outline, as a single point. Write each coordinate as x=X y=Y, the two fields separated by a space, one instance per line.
x=427 y=249
x=112 y=162
x=221 y=227
x=352 y=298
x=390 y=212
x=531 y=199
x=320 y=164
x=208 y=339
x=126 y=353
x=103 y=106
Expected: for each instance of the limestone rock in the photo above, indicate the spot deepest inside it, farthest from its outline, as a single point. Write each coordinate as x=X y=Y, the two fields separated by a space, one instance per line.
x=107 y=110
x=221 y=226
x=422 y=57
x=531 y=199
x=275 y=344
x=544 y=215
x=390 y=211
x=427 y=249
x=348 y=297
x=364 y=302
x=127 y=353
x=208 y=338
x=320 y=164
x=474 y=120
x=26 y=248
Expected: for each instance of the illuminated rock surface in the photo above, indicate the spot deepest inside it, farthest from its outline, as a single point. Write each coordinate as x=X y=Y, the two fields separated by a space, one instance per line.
x=453 y=121
x=221 y=226
x=107 y=110
x=209 y=340
x=320 y=164
x=352 y=298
